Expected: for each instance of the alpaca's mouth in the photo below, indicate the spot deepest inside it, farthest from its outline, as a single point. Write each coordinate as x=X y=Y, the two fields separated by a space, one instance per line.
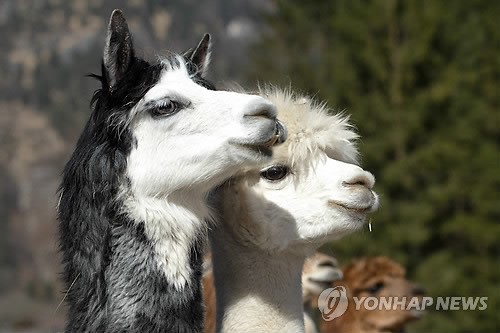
x=263 y=149
x=368 y=203
x=355 y=209
x=417 y=313
x=275 y=138
x=279 y=136
x=260 y=149
x=320 y=283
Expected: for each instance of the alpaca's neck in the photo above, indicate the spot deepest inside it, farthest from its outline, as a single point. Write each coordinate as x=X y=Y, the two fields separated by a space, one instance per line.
x=172 y=225
x=137 y=270
x=256 y=291
x=349 y=322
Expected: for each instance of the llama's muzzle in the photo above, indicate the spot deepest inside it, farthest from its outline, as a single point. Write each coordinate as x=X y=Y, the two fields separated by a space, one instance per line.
x=280 y=135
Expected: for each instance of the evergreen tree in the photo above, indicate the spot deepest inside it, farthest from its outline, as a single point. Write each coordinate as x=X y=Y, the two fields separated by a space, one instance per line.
x=422 y=82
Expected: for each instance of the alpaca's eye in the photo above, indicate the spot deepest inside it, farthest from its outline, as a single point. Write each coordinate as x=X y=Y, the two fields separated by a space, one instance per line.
x=165 y=108
x=275 y=172
x=375 y=288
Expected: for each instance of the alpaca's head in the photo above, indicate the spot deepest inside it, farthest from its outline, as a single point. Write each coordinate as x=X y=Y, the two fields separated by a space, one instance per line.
x=319 y=272
x=175 y=130
x=379 y=277
x=313 y=189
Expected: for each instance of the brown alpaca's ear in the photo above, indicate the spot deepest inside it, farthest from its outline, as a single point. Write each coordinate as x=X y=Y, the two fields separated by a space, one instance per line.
x=118 y=52
x=200 y=55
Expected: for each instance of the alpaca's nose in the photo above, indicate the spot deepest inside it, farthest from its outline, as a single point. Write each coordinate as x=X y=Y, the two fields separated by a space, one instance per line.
x=280 y=132
x=364 y=179
x=259 y=107
x=418 y=290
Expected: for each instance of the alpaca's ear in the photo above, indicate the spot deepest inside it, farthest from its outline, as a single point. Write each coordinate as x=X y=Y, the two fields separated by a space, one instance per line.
x=118 y=52
x=200 y=56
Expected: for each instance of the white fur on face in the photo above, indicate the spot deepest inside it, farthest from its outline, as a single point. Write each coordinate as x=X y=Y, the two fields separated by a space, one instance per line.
x=177 y=159
x=310 y=206
x=325 y=196
x=195 y=147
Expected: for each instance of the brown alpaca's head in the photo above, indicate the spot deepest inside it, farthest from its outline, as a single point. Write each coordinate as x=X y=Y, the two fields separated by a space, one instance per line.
x=381 y=277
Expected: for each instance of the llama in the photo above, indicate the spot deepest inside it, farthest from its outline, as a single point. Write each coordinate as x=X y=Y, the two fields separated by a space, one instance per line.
x=375 y=277
x=132 y=209
x=273 y=217
x=319 y=272
x=208 y=295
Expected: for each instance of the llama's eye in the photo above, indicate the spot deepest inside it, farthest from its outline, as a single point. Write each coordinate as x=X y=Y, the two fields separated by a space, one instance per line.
x=165 y=108
x=275 y=172
x=375 y=288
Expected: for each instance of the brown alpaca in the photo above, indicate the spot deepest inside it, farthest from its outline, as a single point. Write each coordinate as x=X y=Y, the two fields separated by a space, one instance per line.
x=208 y=296
x=375 y=277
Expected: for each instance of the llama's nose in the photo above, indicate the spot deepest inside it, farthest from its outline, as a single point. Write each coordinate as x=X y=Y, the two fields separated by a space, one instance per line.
x=364 y=179
x=418 y=290
x=280 y=132
x=260 y=107
x=327 y=263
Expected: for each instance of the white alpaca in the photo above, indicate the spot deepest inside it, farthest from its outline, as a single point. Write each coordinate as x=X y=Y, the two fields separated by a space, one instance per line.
x=273 y=217
x=319 y=272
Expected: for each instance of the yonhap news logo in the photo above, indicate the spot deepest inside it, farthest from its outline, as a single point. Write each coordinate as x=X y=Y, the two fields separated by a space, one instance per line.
x=333 y=303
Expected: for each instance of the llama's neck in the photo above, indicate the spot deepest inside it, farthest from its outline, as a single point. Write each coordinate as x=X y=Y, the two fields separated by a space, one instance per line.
x=172 y=225
x=350 y=322
x=137 y=269
x=256 y=291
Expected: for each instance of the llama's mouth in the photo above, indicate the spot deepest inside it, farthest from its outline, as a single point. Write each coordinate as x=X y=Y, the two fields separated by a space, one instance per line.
x=368 y=204
x=257 y=149
x=279 y=136
x=353 y=208
x=320 y=283
x=265 y=148
x=415 y=313
x=275 y=138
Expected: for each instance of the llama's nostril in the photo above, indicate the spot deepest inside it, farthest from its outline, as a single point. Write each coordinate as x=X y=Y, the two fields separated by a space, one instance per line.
x=260 y=108
x=328 y=263
x=419 y=290
x=365 y=180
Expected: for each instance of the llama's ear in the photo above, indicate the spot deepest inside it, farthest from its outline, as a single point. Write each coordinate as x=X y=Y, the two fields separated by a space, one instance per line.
x=200 y=56
x=118 y=52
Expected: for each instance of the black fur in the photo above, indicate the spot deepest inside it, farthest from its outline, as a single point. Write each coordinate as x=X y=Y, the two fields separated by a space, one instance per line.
x=110 y=270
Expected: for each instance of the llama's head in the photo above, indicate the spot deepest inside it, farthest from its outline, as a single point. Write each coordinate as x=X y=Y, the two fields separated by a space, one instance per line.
x=319 y=272
x=313 y=189
x=174 y=129
x=380 y=277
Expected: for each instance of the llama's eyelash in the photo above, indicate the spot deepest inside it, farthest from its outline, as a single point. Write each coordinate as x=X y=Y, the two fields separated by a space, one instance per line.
x=275 y=173
x=167 y=107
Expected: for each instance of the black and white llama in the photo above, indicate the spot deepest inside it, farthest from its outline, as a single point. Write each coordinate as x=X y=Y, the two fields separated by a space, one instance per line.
x=132 y=210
